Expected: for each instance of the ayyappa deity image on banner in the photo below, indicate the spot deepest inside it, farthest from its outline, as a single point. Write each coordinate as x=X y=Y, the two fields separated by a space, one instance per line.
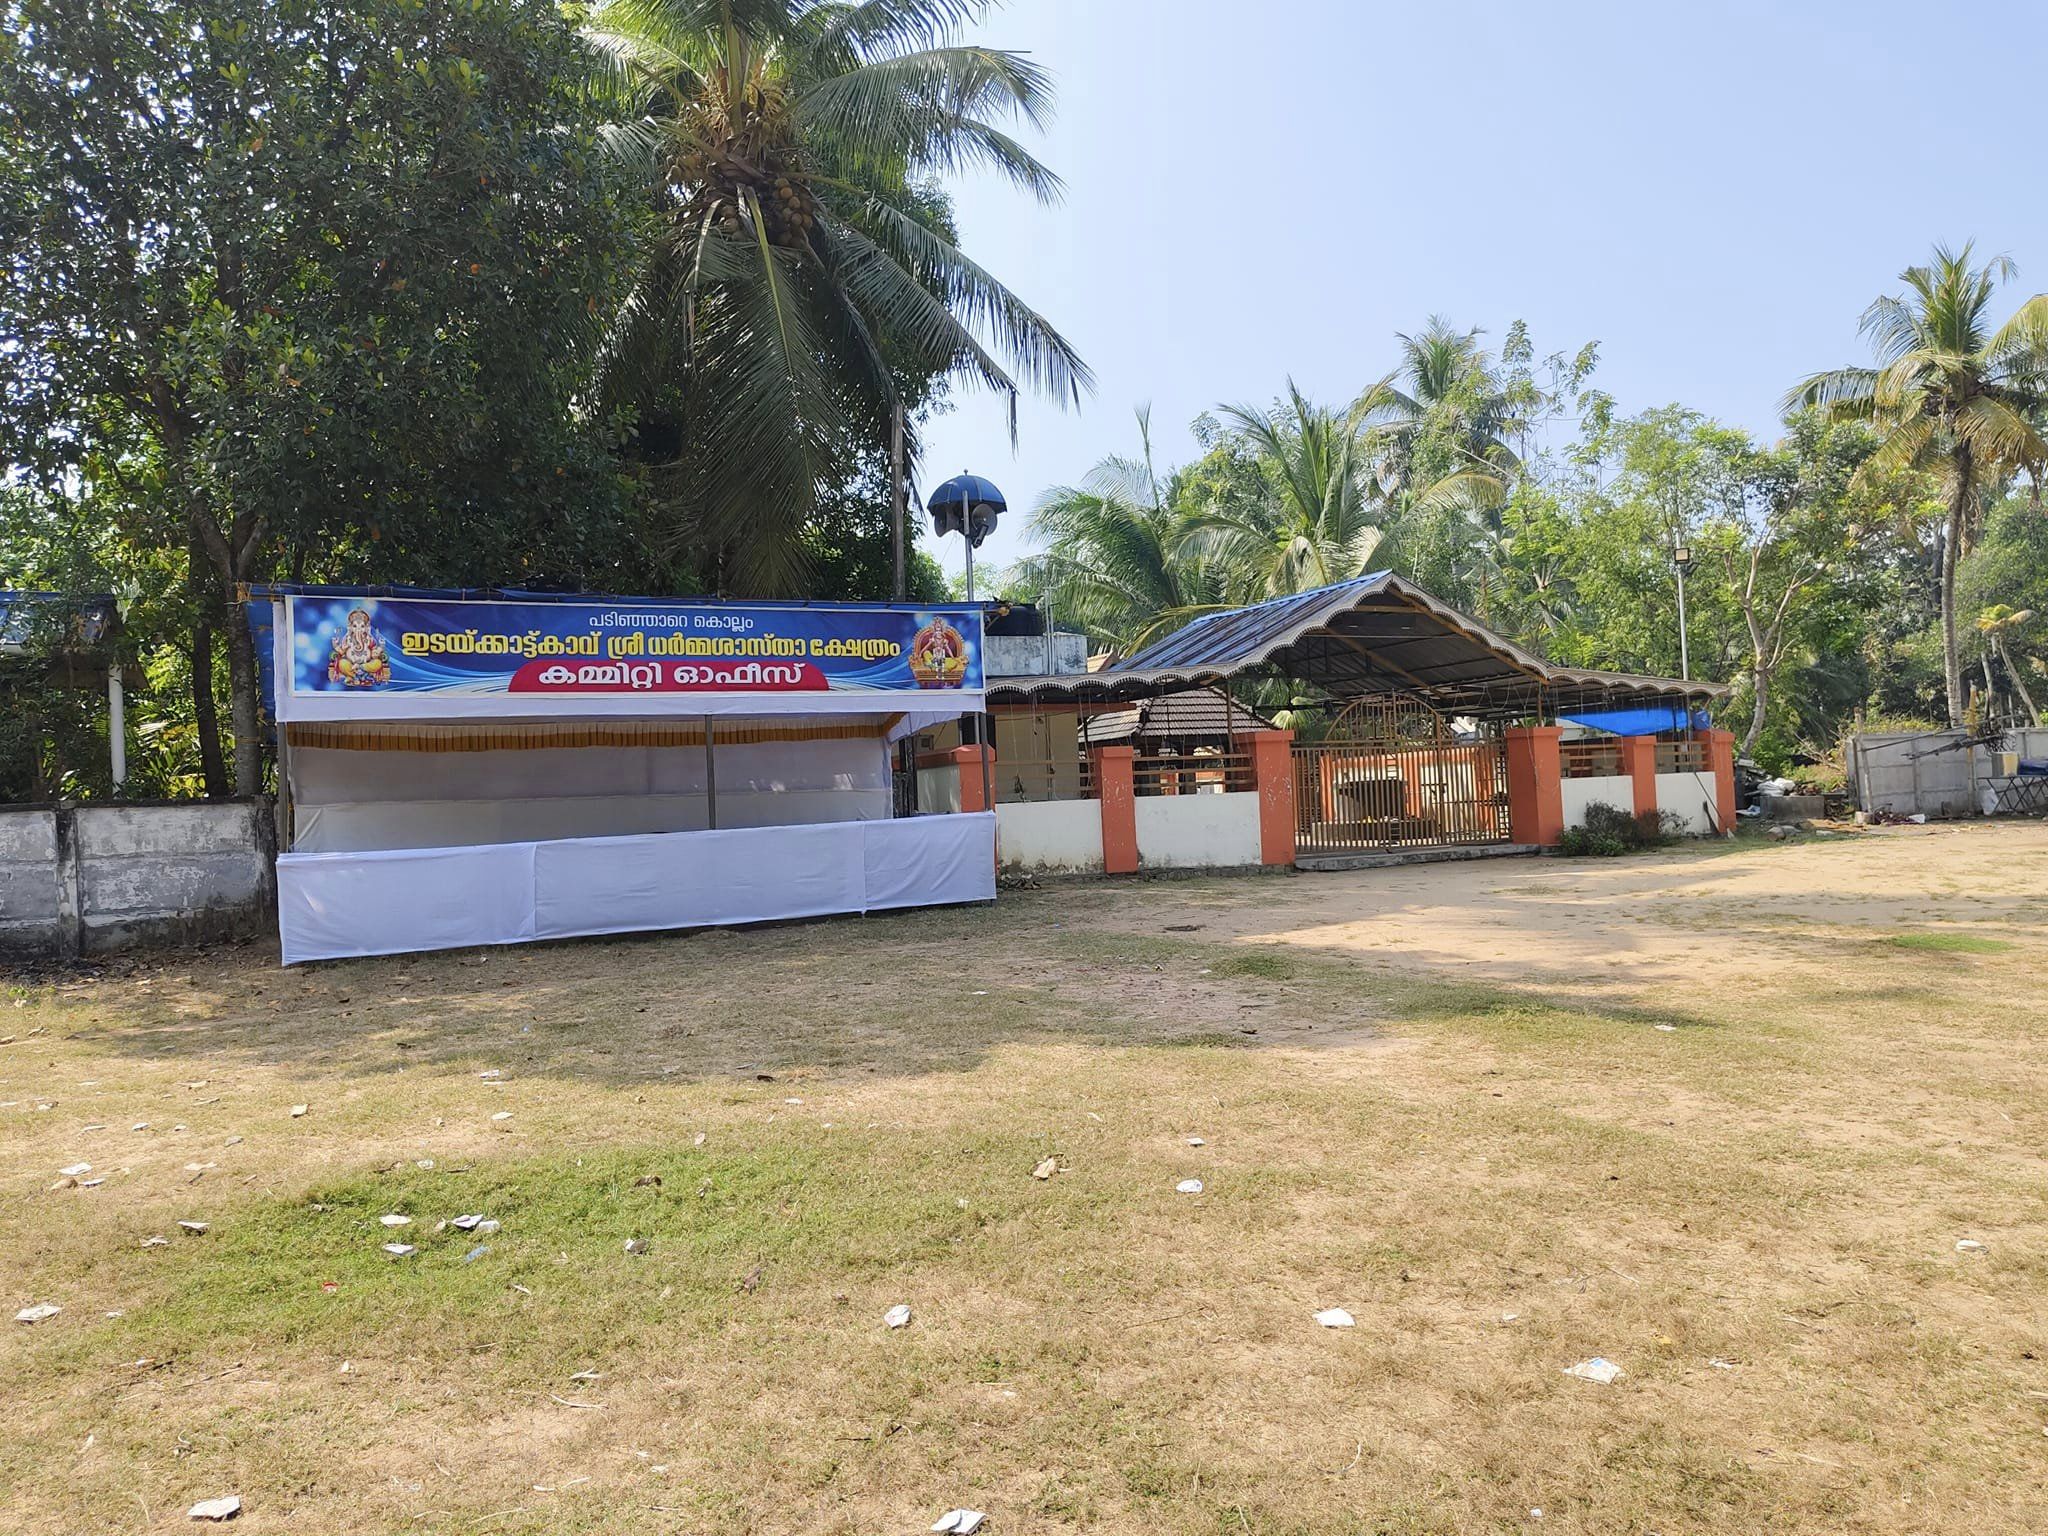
x=358 y=659
x=938 y=656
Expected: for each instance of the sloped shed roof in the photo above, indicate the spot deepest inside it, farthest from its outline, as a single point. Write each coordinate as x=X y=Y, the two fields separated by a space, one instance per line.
x=1201 y=714
x=1374 y=634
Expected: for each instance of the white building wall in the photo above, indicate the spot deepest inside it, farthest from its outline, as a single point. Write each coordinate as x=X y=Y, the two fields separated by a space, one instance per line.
x=1617 y=790
x=1690 y=796
x=1050 y=835
x=1198 y=831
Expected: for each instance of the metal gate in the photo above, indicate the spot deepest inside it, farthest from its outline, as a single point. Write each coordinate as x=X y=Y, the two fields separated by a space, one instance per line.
x=1392 y=774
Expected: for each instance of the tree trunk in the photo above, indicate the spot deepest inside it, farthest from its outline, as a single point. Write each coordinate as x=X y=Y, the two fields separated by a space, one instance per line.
x=1960 y=492
x=228 y=552
x=1761 y=678
x=205 y=712
x=2019 y=683
x=243 y=686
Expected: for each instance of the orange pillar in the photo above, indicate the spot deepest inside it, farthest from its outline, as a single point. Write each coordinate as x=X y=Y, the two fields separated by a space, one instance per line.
x=1535 y=798
x=1118 y=798
x=1721 y=760
x=967 y=761
x=1639 y=762
x=1273 y=773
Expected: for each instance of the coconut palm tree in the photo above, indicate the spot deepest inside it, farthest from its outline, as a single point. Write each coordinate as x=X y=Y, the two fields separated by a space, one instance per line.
x=1122 y=559
x=1316 y=516
x=1446 y=400
x=1997 y=624
x=802 y=276
x=1951 y=396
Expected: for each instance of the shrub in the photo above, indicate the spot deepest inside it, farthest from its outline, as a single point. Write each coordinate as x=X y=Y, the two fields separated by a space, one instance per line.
x=1610 y=831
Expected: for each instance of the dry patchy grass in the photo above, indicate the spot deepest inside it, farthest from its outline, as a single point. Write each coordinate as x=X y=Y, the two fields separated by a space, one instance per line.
x=1436 y=1097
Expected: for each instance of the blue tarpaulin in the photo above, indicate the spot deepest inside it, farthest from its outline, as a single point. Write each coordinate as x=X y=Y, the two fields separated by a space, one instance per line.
x=1643 y=721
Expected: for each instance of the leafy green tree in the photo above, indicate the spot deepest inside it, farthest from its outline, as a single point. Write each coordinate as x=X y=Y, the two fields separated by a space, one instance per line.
x=2004 y=583
x=1950 y=394
x=801 y=280
x=320 y=275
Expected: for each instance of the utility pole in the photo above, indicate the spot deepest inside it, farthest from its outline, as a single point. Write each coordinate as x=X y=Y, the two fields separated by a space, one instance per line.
x=900 y=582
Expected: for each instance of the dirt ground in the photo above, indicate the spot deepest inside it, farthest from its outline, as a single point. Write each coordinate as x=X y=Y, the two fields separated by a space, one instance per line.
x=1722 y=1117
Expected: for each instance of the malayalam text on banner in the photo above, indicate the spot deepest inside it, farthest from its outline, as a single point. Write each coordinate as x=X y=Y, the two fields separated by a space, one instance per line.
x=403 y=645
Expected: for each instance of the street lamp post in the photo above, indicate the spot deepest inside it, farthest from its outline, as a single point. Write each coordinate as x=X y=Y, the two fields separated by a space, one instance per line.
x=969 y=506
x=1681 y=560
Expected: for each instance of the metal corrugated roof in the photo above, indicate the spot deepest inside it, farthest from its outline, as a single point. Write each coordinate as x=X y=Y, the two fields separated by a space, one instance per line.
x=1373 y=634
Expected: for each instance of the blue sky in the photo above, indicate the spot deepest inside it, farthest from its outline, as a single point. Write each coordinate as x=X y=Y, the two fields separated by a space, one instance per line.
x=1712 y=191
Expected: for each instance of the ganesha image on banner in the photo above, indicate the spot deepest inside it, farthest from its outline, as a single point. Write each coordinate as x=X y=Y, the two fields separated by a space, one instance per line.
x=938 y=656
x=357 y=659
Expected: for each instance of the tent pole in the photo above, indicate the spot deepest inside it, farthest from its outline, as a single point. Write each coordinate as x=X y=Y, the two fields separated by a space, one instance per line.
x=987 y=745
x=710 y=781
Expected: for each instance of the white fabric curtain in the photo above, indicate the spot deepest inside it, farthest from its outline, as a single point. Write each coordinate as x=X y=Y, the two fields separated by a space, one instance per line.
x=348 y=799
x=336 y=905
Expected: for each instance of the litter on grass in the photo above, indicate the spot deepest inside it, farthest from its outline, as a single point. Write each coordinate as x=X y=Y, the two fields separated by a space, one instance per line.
x=1196 y=1141
x=298 y=1110
x=393 y=1219
x=156 y=1242
x=636 y=1245
x=1336 y=1317
x=192 y=1228
x=466 y=1223
x=42 y=1311
x=1188 y=1187
x=897 y=1316
x=1969 y=1245
x=400 y=1250
x=215 y=1509
x=1605 y=1372
x=476 y=1253
x=962 y=1522
x=1046 y=1169
x=76 y=1170
x=502 y=1116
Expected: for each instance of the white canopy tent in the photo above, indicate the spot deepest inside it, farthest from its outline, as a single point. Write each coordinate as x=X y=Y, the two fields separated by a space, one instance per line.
x=489 y=771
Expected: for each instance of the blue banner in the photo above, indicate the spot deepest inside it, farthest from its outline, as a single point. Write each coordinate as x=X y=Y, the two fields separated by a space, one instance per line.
x=342 y=646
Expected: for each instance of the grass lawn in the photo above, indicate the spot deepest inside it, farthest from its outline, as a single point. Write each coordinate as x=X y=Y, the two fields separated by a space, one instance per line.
x=1720 y=1117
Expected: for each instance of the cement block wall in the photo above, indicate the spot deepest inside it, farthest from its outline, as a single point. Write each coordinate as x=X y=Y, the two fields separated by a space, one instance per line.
x=1931 y=773
x=87 y=879
x=1025 y=655
x=30 y=900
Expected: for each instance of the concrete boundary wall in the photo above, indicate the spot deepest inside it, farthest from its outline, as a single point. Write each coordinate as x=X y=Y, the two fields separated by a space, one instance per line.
x=1199 y=831
x=86 y=879
x=1692 y=797
x=1930 y=773
x=1052 y=836
x=1617 y=790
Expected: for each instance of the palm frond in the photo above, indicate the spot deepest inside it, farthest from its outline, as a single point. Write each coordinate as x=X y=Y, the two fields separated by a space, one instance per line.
x=2000 y=434
x=1046 y=359
x=914 y=101
x=1838 y=391
x=876 y=26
